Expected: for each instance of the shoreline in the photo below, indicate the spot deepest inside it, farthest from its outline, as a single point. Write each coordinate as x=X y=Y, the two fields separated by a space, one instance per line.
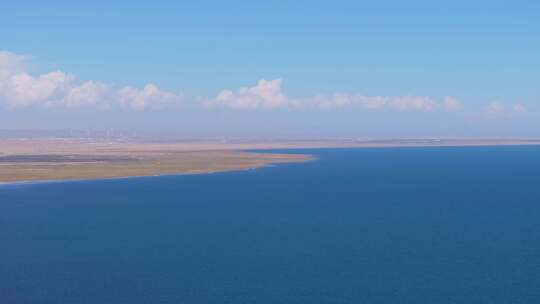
x=70 y=163
x=305 y=158
x=54 y=181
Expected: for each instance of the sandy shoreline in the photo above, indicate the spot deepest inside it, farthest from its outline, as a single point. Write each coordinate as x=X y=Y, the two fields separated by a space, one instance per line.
x=54 y=181
x=51 y=160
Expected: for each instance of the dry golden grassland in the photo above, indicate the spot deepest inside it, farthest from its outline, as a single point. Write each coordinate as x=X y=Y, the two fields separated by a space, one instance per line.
x=33 y=160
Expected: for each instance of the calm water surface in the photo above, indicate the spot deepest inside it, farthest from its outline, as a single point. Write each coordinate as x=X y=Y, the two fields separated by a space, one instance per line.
x=400 y=225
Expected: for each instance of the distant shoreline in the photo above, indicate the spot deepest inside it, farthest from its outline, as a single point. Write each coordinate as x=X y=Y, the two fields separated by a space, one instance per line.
x=26 y=161
x=52 y=166
x=54 y=181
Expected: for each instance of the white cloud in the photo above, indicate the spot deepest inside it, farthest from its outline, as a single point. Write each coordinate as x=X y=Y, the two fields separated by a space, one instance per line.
x=10 y=64
x=520 y=109
x=20 y=89
x=89 y=93
x=148 y=97
x=265 y=94
x=452 y=104
x=341 y=100
x=398 y=103
x=496 y=109
x=413 y=103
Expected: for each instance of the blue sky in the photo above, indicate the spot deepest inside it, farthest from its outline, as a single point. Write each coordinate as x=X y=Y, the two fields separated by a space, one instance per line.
x=368 y=69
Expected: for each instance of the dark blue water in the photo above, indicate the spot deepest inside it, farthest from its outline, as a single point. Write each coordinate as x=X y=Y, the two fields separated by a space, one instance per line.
x=400 y=225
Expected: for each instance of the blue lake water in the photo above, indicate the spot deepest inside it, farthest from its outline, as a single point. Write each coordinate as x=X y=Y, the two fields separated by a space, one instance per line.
x=395 y=225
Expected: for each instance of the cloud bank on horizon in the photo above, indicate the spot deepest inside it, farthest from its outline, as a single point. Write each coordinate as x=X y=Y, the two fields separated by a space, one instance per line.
x=268 y=94
x=21 y=89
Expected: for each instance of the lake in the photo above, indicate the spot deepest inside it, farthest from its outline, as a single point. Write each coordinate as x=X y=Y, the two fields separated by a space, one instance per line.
x=373 y=225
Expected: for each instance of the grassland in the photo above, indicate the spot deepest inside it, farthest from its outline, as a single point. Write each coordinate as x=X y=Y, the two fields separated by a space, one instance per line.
x=32 y=160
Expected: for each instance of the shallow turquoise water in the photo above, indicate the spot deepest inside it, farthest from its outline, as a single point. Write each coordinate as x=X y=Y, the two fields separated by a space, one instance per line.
x=400 y=225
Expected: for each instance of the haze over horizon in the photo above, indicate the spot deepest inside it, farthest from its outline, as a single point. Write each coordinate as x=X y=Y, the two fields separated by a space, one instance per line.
x=245 y=69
